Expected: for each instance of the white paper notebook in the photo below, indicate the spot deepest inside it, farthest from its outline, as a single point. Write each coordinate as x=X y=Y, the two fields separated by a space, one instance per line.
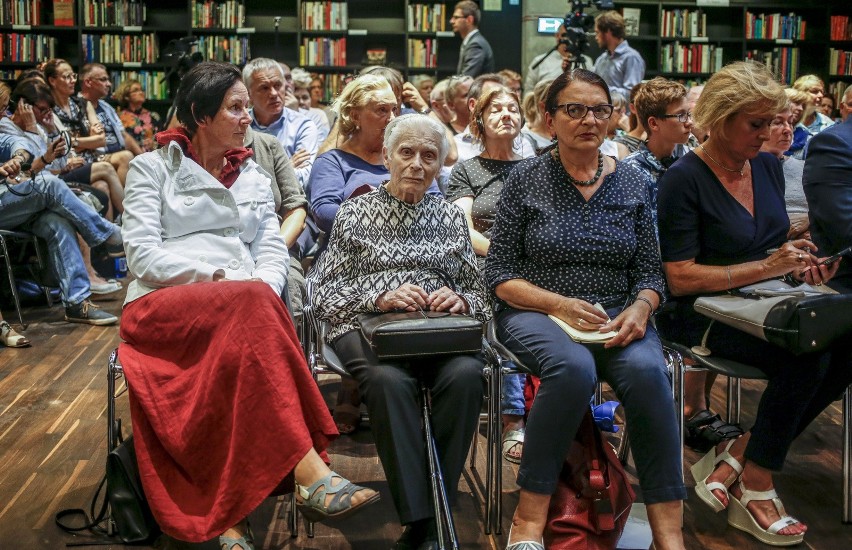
x=585 y=336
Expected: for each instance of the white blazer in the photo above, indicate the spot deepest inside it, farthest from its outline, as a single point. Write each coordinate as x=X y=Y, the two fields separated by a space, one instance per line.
x=180 y=225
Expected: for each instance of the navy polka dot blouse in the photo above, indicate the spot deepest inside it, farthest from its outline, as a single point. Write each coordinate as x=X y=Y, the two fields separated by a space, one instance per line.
x=602 y=250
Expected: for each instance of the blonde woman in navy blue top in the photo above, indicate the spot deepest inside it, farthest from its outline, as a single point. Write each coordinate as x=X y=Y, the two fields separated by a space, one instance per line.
x=583 y=234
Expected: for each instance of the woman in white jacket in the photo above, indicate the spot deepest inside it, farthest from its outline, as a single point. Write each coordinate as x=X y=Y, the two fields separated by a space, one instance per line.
x=223 y=407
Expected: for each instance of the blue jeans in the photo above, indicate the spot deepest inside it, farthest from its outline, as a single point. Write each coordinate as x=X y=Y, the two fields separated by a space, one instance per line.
x=50 y=210
x=512 y=401
x=569 y=373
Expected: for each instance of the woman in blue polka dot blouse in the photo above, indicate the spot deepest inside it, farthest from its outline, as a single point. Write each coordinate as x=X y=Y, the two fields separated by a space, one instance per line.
x=574 y=229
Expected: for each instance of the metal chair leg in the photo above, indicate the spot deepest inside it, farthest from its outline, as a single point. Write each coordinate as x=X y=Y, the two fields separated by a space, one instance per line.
x=12 y=284
x=847 y=456
x=443 y=514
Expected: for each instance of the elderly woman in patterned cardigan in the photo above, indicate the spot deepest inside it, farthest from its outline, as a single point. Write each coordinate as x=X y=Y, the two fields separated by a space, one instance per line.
x=381 y=246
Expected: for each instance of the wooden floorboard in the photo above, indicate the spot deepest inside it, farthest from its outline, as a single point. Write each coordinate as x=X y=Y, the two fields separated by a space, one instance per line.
x=53 y=443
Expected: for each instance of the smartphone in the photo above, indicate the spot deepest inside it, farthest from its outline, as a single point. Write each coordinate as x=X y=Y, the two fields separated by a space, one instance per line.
x=831 y=259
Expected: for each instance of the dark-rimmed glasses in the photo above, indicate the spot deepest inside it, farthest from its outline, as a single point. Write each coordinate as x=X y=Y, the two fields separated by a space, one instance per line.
x=681 y=117
x=579 y=111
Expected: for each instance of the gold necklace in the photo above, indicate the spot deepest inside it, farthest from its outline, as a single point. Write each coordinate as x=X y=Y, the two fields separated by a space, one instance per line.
x=741 y=171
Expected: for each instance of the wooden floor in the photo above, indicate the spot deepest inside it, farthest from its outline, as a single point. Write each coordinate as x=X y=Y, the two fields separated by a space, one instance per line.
x=53 y=441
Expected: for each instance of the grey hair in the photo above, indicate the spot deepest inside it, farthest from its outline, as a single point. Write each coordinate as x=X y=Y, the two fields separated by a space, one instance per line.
x=260 y=64
x=847 y=92
x=420 y=125
x=418 y=79
x=301 y=77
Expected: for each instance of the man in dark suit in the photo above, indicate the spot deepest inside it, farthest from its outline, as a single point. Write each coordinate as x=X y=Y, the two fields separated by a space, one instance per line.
x=827 y=180
x=475 y=56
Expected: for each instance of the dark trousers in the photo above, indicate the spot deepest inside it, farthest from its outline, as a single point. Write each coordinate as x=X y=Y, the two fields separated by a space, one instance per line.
x=569 y=373
x=798 y=390
x=391 y=392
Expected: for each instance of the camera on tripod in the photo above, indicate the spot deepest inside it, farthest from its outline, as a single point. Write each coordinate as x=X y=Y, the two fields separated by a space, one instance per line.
x=577 y=25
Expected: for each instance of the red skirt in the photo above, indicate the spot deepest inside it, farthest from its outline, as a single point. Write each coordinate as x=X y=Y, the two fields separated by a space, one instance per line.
x=222 y=403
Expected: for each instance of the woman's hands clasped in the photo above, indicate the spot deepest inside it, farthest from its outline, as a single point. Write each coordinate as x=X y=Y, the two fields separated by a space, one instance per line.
x=410 y=297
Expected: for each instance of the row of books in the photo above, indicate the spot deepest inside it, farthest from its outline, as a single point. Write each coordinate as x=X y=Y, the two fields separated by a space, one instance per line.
x=783 y=61
x=836 y=90
x=26 y=47
x=152 y=82
x=228 y=49
x=20 y=12
x=691 y=58
x=427 y=18
x=333 y=83
x=113 y=13
x=840 y=62
x=772 y=26
x=325 y=16
x=121 y=48
x=328 y=52
x=423 y=54
x=840 y=27
x=683 y=23
x=229 y=14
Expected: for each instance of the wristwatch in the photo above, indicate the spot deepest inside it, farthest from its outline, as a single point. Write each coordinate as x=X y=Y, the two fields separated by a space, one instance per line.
x=425 y=110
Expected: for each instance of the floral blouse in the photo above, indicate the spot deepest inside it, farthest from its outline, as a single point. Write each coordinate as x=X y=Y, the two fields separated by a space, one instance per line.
x=142 y=125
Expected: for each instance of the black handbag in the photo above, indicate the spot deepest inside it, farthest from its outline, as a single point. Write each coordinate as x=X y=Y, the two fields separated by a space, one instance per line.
x=404 y=334
x=803 y=323
x=128 y=507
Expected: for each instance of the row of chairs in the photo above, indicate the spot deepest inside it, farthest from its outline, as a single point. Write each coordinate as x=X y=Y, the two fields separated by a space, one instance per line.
x=500 y=362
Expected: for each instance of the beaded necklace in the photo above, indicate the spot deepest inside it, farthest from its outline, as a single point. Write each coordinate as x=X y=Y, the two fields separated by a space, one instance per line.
x=555 y=154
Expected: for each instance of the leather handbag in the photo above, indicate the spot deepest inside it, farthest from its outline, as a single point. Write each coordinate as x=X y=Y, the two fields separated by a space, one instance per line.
x=802 y=322
x=593 y=497
x=129 y=510
x=411 y=334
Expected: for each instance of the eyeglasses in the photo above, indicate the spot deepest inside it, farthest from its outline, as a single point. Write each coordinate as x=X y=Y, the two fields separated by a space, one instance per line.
x=101 y=79
x=681 y=117
x=70 y=77
x=579 y=111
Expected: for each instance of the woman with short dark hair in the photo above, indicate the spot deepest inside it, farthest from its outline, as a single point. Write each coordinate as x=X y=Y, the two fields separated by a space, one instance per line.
x=220 y=415
x=578 y=247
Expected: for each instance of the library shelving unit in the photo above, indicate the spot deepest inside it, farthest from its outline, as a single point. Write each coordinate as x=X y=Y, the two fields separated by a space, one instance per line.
x=690 y=39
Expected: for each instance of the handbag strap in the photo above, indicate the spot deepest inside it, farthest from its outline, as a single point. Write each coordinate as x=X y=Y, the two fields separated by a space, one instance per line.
x=602 y=509
x=441 y=274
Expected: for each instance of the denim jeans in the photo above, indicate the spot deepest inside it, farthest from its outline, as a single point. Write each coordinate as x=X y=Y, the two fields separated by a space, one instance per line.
x=46 y=207
x=512 y=401
x=569 y=373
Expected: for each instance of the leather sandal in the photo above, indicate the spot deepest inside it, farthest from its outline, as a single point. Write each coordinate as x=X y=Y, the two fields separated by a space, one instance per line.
x=10 y=338
x=705 y=467
x=704 y=430
x=510 y=440
x=740 y=517
x=311 y=502
x=245 y=542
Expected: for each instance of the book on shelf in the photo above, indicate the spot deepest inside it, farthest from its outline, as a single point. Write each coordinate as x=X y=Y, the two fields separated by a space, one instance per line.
x=21 y=12
x=840 y=62
x=109 y=13
x=121 y=48
x=691 y=58
x=228 y=14
x=631 y=21
x=783 y=61
x=328 y=52
x=18 y=48
x=427 y=18
x=423 y=54
x=152 y=82
x=234 y=49
x=325 y=16
x=683 y=23
x=840 y=27
x=772 y=26
x=63 y=13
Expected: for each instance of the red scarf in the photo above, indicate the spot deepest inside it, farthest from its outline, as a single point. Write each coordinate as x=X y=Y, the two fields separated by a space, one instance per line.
x=234 y=158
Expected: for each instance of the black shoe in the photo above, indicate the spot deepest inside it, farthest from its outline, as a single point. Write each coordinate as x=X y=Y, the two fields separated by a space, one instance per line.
x=115 y=244
x=88 y=313
x=418 y=535
x=704 y=430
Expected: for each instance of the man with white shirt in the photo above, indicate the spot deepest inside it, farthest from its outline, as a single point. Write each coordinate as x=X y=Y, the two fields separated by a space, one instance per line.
x=265 y=80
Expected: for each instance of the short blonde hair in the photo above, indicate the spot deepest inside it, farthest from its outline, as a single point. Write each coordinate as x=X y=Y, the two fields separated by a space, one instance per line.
x=655 y=96
x=808 y=81
x=739 y=87
x=123 y=92
x=356 y=94
x=798 y=96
